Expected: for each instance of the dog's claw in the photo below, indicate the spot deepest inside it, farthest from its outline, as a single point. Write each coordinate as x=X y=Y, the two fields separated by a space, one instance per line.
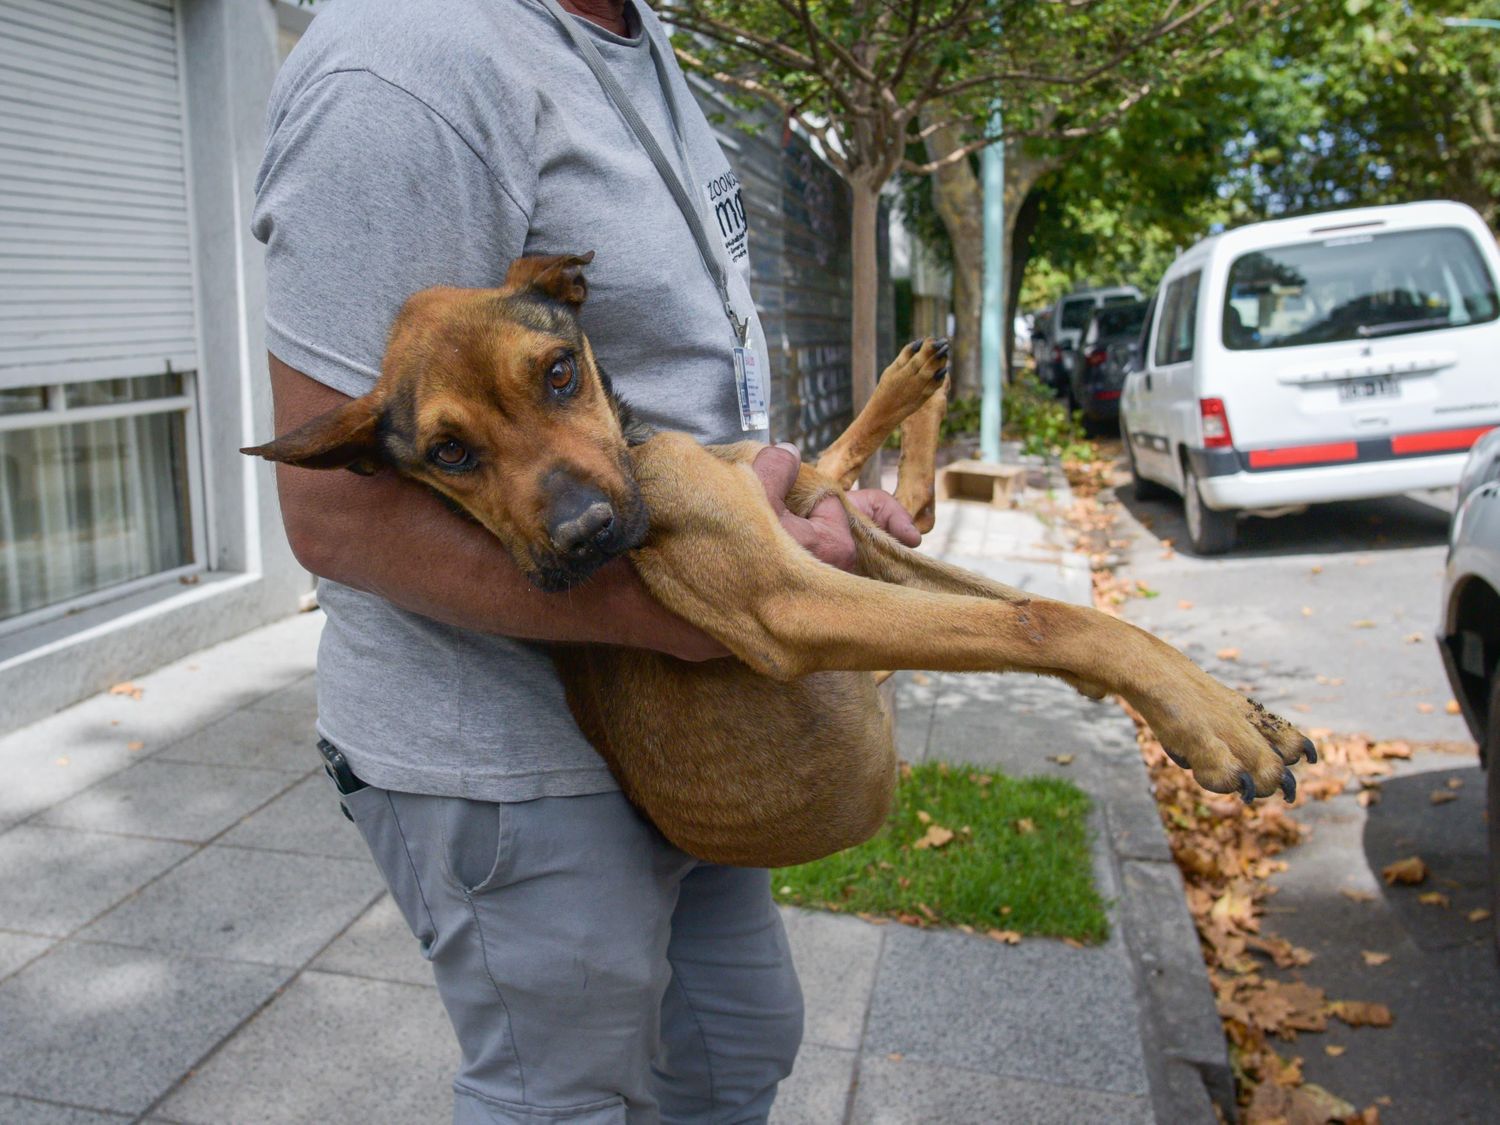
x=1288 y=786
x=941 y=375
x=942 y=346
x=1247 y=788
x=1309 y=751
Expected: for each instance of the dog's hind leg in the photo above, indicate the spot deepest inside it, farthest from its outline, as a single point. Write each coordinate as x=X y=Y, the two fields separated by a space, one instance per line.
x=911 y=379
x=917 y=470
x=787 y=615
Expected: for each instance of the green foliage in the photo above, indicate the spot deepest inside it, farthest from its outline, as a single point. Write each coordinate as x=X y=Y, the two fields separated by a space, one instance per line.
x=961 y=420
x=1043 y=425
x=1018 y=858
x=1336 y=105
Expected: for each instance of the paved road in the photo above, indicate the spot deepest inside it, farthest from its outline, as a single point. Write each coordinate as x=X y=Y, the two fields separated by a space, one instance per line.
x=1358 y=657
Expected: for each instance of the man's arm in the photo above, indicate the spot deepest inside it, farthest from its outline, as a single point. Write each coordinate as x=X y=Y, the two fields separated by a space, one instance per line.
x=395 y=538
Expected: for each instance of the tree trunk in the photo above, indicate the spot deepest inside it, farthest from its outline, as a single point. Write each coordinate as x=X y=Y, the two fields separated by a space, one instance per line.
x=865 y=291
x=968 y=303
x=957 y=195
x=1017 y=259
x=865 y=287
x=959 y=198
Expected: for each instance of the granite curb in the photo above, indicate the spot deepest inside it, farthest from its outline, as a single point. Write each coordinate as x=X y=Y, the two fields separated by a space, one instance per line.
x=1187 y=1059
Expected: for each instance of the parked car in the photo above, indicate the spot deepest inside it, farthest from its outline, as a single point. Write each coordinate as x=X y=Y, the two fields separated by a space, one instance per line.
x=1107 y=350
x=1469 y=629
x=1070 y=316
x=1040 y=343
x=1327 y=357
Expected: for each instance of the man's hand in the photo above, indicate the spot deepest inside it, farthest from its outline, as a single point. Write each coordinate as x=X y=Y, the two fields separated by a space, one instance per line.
x=825 y=531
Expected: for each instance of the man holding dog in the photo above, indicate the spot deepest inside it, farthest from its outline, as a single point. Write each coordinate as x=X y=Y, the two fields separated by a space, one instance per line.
x=593 y=973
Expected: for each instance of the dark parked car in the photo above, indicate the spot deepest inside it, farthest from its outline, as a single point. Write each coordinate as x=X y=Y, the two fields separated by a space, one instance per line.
x=1109 y=345
x=1469 y=629
x=1070 y=316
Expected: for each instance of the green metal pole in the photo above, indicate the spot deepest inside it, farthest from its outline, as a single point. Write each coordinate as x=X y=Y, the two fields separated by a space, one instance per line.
x=992 y=321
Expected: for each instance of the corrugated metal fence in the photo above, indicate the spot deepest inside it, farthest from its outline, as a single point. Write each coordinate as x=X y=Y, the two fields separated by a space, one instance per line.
x=798 y=211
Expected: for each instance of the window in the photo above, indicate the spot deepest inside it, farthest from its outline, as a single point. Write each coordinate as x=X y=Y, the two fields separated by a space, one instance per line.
x=1178 y=330
x=94 y=488
x=1120 y=320
x=1357 y=287
x=1075 y=314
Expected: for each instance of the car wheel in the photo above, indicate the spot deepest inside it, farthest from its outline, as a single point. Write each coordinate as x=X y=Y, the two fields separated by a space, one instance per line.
x=1211 y=532
x=1144 y=489
x=1492 y=791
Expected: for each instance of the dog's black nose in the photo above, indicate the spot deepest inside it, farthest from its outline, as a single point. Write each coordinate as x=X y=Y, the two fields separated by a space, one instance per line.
x=582 y=523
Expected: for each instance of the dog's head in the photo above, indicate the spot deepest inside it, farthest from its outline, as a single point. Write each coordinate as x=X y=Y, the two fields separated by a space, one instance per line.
x=492 y=397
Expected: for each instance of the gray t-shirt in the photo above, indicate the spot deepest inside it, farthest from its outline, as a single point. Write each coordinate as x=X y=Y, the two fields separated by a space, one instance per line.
x=423 y=142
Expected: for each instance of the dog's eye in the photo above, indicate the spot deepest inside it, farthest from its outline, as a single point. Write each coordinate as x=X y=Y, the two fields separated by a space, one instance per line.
x=451 y=455
x=562 y=376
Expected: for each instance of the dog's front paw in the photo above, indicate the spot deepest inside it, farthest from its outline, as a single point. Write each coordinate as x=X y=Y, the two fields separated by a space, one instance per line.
x=1230 y=743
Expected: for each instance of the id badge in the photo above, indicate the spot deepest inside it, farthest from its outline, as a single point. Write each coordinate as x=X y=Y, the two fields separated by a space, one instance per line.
x=749 y=380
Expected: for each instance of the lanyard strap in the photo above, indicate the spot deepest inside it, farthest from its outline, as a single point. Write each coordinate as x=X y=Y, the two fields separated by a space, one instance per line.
x=647 y=139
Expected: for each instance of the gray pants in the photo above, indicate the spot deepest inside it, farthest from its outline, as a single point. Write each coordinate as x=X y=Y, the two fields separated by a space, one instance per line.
x=593 y=972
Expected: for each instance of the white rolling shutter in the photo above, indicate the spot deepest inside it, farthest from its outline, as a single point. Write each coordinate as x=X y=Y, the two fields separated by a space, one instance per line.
x=95 y=263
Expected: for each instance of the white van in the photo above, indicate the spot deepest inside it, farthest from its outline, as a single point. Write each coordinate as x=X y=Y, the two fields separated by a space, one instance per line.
x=1328 y=357
x=1070 y=316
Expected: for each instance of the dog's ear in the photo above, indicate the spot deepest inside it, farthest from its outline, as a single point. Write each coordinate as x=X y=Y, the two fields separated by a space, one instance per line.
x=559 y=277
x=344 y=438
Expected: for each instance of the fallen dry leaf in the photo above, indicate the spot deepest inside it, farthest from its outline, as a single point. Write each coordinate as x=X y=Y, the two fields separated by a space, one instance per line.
x=921 y=679
x=1009 y=937
x=1373 y=959
x=1025 y=826
x=895 y=1056
x=1361 y=1013
x=1228 y=654
x=1410 y=870
x=1455 y=783
x=1433 y=898
x=1061 y=759
x=1426 y=708
x=127 y=688
x=134 y=746
x=924 y=817
x=1451 y=707
x=1333 y=1051
x=1362 y=623
x=1442 y=796
x=936 y=837
x=1413 y=638
x=1307 y=611
x=1367 y=797
x=1184 y=604
x=1317 y=570
x=1479 y=914
x=1357 y=896
x=64 y=761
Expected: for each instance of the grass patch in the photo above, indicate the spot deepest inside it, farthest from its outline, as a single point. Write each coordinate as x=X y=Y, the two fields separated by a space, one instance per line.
x=1018 y=858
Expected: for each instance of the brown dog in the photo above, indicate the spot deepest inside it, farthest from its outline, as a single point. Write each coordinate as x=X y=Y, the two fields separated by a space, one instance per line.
x=492 y=397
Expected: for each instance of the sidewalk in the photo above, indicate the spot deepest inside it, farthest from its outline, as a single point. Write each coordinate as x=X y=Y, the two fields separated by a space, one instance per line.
x=190 y=932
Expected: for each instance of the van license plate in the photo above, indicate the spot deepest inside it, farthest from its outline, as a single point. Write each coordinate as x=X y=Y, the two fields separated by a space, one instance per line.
x=1379 y=386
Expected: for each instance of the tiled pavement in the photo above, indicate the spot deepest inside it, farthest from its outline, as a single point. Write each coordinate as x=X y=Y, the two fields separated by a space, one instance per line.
x=191 y=932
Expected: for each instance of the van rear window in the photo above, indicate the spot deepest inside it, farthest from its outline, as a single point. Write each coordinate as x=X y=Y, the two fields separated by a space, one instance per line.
x=1075 y=314
x=1357 y=287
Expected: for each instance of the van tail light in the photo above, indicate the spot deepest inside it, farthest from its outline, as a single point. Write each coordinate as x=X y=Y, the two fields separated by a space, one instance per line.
x=1097 y=357
x=1057 y=354
x=1216 y=433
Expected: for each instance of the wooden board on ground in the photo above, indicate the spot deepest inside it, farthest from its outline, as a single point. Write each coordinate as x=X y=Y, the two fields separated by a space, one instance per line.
x=982 y=481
